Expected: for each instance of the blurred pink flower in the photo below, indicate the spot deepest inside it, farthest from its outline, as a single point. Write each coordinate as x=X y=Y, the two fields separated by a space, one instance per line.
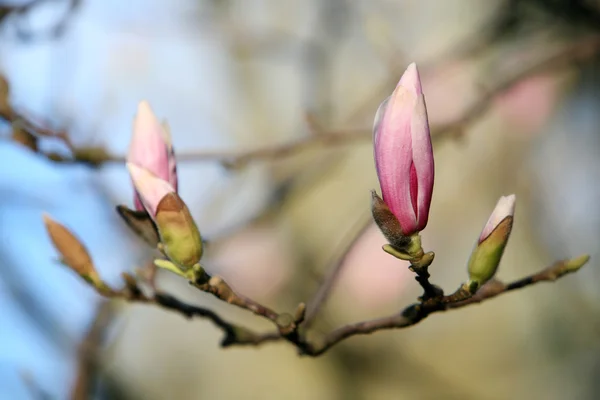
x=530 y=102
x=256 y=261
x=370 y=277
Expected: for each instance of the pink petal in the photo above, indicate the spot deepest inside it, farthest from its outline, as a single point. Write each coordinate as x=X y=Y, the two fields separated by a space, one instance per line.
x=148 y=148
x=422 y=155
x=150 y=188
x=403 y=152
x=393 y=156
x=504 y=208
x=137 y=202
x=171 y=156
x=411 y=80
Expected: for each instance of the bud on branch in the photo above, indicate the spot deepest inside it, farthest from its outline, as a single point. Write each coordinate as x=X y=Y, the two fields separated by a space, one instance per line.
x=487 y=254
x=151 y=148
x=73 y=253
x=179 y=235
x=404 y=155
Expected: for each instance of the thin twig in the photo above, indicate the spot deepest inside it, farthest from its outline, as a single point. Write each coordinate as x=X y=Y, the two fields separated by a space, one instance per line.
x=216 y=286
x=233 y=334
x=55 y=31
x=575 y=52
x=36 y=392
x=89 y=352
x=324 y=290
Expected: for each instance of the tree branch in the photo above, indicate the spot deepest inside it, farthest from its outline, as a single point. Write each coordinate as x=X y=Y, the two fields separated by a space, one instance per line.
x=216 y=286
x=55 y=31
x=415 y=313
x=288 y=325
x=578 y=51
x=233 y=334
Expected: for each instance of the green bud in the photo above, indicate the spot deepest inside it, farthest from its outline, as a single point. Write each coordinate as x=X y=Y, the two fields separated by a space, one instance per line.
x=486 y=256
x=179 y=235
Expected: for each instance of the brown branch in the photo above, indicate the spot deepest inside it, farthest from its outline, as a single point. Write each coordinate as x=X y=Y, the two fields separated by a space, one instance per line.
x=96 y=156
x=216 y=286
x=288 y=326
x=415 y=313
x=14 y=117
x=549 y=274
x=233 y=334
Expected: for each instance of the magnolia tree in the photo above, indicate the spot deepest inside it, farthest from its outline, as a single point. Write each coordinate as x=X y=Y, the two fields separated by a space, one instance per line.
x=404 y=162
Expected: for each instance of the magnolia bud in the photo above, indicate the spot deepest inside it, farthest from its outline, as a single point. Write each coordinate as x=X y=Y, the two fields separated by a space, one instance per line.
x=150 y=188
x=403 y=153
x=180 y=238
x=73 y=253
x=151 y=148
x=487 y=254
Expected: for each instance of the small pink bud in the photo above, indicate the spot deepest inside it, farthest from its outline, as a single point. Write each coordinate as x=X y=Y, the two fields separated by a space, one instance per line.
x=403 y=153
x=150 y=188
x=151 y=148
x=504 y=208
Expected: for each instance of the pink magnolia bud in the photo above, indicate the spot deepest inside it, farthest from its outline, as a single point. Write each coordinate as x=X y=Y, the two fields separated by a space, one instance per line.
x=150 y=188
x=179 y=236
x=504 y=208
x=151 y=148
x=403 y=153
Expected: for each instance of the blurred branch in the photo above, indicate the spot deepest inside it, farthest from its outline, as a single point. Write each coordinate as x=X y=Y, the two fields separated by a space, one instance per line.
x=89 y=353
x=327 y=285
x=574 y=52
x=21 y=10
x=233 y=334
x=36 y=392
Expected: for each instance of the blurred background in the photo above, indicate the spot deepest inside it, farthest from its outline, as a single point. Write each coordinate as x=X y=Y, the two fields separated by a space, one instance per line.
x=513 y=93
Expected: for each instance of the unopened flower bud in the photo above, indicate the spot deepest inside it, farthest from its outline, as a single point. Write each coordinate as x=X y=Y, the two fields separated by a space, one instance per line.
x=487 y=254
x=179 y=236
x=73 y=253
x=403 y=153
x=151 y=148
